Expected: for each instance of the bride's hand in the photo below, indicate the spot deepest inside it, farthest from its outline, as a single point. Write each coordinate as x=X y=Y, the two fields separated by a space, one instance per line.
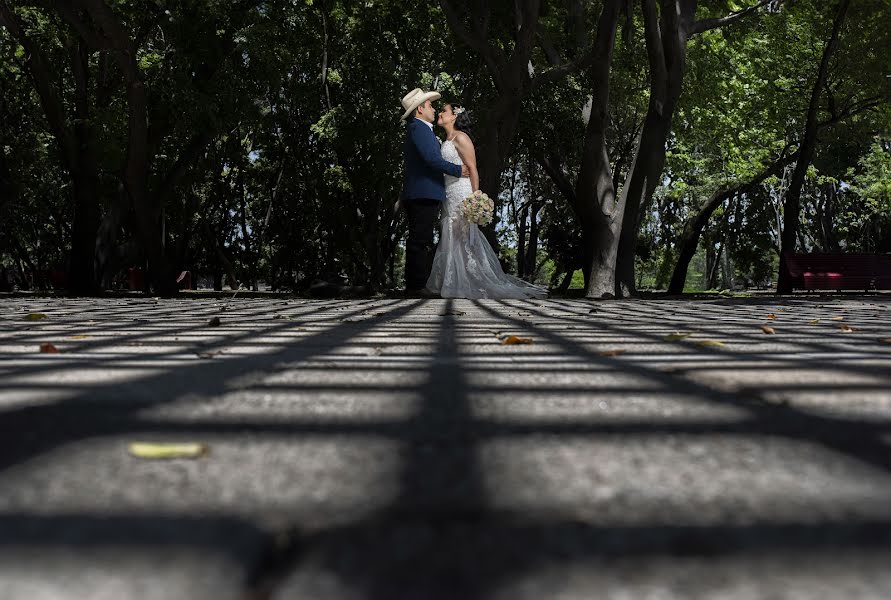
x=465 y=172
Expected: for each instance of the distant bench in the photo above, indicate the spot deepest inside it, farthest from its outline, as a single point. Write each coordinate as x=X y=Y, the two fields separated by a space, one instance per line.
x=825 y=271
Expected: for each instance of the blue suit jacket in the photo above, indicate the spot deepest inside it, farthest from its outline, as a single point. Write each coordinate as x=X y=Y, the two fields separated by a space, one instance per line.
x=424 y=165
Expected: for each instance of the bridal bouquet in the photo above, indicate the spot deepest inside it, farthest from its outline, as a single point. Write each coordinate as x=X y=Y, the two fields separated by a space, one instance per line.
x=478 y=208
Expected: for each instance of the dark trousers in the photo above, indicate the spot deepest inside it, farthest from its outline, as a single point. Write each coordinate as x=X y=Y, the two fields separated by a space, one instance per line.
x=419 y=249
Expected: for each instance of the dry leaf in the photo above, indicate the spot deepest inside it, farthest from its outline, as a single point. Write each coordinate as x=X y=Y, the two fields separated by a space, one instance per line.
x=162 y=451
x=815 y=322
x=214 y=322
x=710 y=343
x=615 y=352
x=838 y=318
x=513 y=339
x=767 y=329
x=674 y=337
x=35 y=317
x=847 y=329
x=771 y=316
x=210 y=354
x=78 y=337
x=48 y=349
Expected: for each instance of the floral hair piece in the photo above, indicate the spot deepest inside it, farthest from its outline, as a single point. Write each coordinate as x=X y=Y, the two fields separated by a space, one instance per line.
x=458 y=110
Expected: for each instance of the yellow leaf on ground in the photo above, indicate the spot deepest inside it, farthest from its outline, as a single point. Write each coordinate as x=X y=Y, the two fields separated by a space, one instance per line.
x=710 y=343
x=838 y=318
x=771 y=316
x=767 y=329
x=163 y=451
x=815 y=322
x=674 y=337
x=78 y=337
x=513 y=339
x=35 y=317
x=615 y=352
x=48 y=349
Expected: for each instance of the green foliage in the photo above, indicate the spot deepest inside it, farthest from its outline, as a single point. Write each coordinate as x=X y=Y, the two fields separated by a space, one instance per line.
x=265 y=163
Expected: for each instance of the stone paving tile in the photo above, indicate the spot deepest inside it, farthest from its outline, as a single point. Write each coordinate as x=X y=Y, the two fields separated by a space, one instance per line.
x=398 y=449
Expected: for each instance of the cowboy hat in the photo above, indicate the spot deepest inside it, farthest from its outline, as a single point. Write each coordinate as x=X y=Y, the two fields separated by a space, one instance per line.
x=416 y=98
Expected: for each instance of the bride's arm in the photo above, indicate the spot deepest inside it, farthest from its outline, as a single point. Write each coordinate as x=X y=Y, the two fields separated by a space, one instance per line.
x=468 y=156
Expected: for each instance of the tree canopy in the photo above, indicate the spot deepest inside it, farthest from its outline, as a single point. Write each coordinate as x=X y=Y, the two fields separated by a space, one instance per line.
x=657 y=144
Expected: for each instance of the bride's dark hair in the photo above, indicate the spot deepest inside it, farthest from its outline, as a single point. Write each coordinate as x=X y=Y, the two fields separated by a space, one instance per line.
x=463 y=122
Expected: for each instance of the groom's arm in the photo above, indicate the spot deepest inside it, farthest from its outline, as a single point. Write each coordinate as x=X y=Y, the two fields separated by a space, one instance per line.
x=425 y=142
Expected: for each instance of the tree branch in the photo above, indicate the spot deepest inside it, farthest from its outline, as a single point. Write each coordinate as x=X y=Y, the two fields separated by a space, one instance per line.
x=707 y=24
x=476 y=41
x=39 y=71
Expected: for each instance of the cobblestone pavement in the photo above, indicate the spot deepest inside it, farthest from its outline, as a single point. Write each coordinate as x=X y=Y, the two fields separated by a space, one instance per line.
x=390 y=449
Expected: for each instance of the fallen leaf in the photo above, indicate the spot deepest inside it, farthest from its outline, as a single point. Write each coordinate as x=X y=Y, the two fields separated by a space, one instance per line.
x=214 y=322
x=78 y=337
x=35 y=317
x=847 y=329
x=355 y=319
x=513 y=339
x=162 y=451
x=615 y=352
x=674 y=337
x=771 y=316
x=208 y=354
x=815 y=322
x=767 y=329
x=838 y=318
x=709 y=343
x=48 y=349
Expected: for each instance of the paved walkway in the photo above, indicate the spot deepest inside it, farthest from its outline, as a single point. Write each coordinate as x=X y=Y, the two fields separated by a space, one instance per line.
x=388 y=449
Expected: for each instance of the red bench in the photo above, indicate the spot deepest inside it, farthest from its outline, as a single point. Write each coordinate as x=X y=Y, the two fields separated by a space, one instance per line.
x=825 y=271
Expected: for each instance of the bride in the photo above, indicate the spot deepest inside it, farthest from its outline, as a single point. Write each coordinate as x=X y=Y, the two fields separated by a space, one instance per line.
x=465 y=266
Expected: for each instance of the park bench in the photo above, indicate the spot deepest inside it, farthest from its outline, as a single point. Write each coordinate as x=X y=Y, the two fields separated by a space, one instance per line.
x=827 y=271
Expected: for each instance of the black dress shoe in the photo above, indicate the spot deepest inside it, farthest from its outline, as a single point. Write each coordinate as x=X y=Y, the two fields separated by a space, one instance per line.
x=421 y=293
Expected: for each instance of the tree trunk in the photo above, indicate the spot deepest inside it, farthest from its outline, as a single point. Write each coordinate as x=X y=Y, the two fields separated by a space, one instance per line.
x=567 y=281
x=510 y=74
x=531 y=262
x=827 y=218
x=75 y=145
x=792 y=204
x=666 y=41
x=83 y=265
x=595 y=196
x=105 y=31
x=521 y=241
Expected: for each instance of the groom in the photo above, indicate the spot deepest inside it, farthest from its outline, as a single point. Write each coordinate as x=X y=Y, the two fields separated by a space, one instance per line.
x=424 y=188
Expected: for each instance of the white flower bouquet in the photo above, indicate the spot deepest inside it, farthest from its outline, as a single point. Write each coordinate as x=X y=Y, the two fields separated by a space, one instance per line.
x=478 y=208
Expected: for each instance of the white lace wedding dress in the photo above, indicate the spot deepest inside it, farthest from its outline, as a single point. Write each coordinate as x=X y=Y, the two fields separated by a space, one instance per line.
x=465 y=266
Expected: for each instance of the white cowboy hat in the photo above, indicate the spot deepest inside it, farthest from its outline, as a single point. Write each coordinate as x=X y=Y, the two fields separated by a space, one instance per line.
x=416 y=98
